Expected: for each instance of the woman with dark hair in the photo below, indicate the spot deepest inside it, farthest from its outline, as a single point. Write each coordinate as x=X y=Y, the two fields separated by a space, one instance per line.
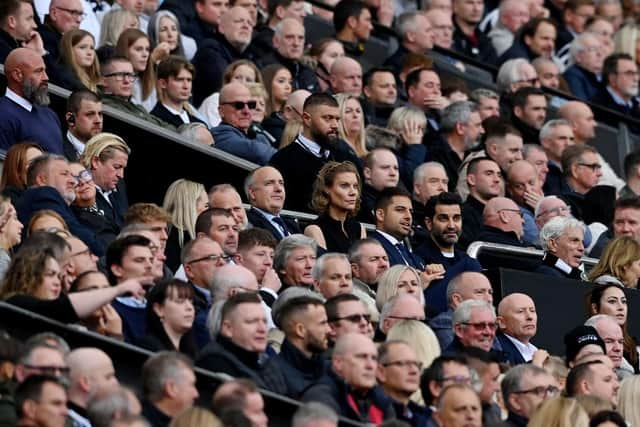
x=170 y=316
x=279 y=85
x=336 y=199
x=610 y=299
x=14 y=170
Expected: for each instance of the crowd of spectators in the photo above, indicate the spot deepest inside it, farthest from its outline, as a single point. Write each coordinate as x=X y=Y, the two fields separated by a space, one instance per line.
x=373 y=311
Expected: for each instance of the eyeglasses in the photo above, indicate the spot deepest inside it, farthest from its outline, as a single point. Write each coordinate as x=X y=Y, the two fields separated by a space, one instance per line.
x=74 y=13
x=458 y=379
x=49 y=370
x=353 y=318
x=83 y=177
x=558 y=211
x=419 y=319
x=518 y=211
x=121 y=75
x=629 y=73
x=541 y=391
x=481 y=326
x=404 y=364
x=239 y=105
x=593 y=166
x=211 y=257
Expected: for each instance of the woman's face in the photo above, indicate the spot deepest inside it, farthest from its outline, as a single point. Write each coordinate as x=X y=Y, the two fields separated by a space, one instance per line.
x=202 y=203
x=257 y=114
x=333 y=51
x=50 y=285
x=139 y=54
x=46 y=222
x=85 y=52
x=408 y=284
x=13 y=228
x=632 y=274
x=85 y=187
x=177 y=313
x=281 y=86
x=168 y=32
x=243 y=74
x=132 y=23
x=614 y=303
x=353 y=118
x=344 y=193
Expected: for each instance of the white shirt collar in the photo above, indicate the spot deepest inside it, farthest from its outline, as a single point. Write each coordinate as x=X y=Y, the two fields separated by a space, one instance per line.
x=106 y=194
x=183 y=114
x=313 y=147
x=526 y=350
x=269 y=216
x=389 y=237
x=616 y=98
x=77 y=144
x=18 y=100
x=561 y=265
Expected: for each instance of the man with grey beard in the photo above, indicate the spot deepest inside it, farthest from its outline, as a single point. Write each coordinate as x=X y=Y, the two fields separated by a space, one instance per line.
x=620 y=75
x=23 y=110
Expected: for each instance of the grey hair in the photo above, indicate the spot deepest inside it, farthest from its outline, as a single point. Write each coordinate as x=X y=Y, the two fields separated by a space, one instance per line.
x=188 y=131
x=214 y=318
x=463 y=312
x=509 y=73
x=355 y=251
x=457 y=112
x=528 y=148
x=277 y=30
x=104 y=408
x=288 y=245
x=388 y=308
x=160 y=368
x=538 y=208
x=406 y=23
x=318 y=268
x=541 y=60
x=289 y=294
x=250 y=181
x=593 y=320
x=547 y=128
x=421 y=171
x=399 y=116
x=477 y=94
x=221 y=284
x=577 y=45
x=512 y=381
x=309 y=413
x=453 y=287
x=48 y=339
x=556 y=227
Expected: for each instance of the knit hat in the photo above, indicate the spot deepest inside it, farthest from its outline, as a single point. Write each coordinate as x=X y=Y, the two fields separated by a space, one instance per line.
x=580 y=337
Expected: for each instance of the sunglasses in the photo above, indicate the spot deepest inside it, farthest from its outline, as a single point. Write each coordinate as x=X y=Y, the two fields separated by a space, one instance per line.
x=354 y=318
x=239 y=105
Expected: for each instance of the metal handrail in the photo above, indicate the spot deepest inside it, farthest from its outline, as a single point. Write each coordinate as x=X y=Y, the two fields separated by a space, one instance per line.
x=476 y=248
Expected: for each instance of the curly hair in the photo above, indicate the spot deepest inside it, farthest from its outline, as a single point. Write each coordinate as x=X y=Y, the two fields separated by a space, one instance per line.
x=320 y=200
x=26 y=272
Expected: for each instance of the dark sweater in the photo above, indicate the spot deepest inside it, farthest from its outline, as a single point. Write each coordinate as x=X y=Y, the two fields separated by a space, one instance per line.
x=134 y=322
x=40 y=125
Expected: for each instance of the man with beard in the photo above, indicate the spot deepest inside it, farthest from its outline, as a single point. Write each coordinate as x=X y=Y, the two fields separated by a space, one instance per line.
x=84 y=121
x=23 y=109
x=529 y=113
x=443 y=219
x=318 y=143
x=301 y=360
x=620 y=89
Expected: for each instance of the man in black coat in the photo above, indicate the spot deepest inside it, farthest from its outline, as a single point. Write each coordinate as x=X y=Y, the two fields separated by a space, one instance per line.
x=467 y=37
x=18 y=28
x=503 y=222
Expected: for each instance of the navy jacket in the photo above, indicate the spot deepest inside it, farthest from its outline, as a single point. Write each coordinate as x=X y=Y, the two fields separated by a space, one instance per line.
x=254 y=148
x=393 y=253
x=39 y=198
x=260 y=221
x=510 y=351
x=583 y=84
x=436 y=294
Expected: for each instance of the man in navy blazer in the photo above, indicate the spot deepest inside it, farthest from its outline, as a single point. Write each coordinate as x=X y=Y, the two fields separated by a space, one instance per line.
x=51 y=186
x=518 y=323
x=265 y=191
x=394 y=217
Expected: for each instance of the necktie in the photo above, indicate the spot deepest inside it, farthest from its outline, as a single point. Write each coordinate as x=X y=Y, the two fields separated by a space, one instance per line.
x=283 y=226
x=405 y=253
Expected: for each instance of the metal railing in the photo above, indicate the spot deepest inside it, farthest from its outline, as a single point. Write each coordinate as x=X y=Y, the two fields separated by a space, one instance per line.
x=476 y=249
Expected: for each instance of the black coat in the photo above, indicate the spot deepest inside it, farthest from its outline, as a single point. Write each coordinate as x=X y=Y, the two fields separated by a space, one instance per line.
x=114 y=211
x=7 y=44
x=161 y=112
x=303 y=76
x=483 y=51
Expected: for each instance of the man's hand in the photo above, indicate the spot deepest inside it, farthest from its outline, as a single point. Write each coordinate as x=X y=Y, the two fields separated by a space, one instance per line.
x=436 y=102
x=412 y=132
x=539 y=357
x=35 y=42
x=160 y=53
x=110 y=323
x=431 y=272
x=271 y=280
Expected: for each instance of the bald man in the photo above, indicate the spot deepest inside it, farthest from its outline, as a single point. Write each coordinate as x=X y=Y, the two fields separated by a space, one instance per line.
x=518 y=323
x=216 y=53
x=289 y=42
x=23 y=109
x=346 y=76
x=90 y=372
x=232 y=134
x=583 y=123
x=354 y=362
x=502 y=222
x=524 y=188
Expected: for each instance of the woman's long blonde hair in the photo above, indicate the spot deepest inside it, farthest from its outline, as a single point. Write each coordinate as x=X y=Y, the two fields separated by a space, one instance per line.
x=180 y=201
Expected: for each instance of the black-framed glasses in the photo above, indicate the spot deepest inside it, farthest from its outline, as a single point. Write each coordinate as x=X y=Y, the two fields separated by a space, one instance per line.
x=540 y=391
x=211 y=257
x=481 y=326
x=405 y=364
x=49 y=370
x=74 y=13
x=593 y=166
x=122 y=75
x=239 y=105
x=518 y=211
x=353 y=318
x=419 y=319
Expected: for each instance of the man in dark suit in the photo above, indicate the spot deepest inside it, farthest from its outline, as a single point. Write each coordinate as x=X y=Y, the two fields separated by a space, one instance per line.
x=106 y=157
x=265 y=191
x=84 y=121
x=518 y=323
x=393 y=225
x=51 y=186
x=175 y=79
